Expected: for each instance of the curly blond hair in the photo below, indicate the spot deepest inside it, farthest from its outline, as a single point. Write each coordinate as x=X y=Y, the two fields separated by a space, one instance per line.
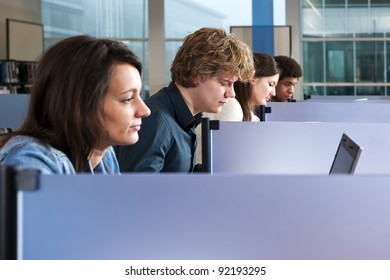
x=209 y=52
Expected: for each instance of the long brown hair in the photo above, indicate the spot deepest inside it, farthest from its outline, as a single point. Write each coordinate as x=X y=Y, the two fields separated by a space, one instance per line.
x=265 y=66
x=65 y=109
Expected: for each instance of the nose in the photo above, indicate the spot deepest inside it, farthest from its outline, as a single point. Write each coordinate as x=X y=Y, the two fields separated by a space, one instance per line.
x=142 y=110
x=230 y=93
x=272 y=92
x=291 y=89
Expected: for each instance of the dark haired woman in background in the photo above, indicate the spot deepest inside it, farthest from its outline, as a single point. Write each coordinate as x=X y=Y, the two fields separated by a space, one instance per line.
x=259 y=90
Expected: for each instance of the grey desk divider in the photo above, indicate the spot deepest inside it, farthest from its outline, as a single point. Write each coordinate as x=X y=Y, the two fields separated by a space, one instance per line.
x=7 y=213
x=12 y=179
x=205 y=217
x=261 y=112
x=347 y=98
x=330 y=111
x=207 y=126
x=296 y=147
x=13 y=109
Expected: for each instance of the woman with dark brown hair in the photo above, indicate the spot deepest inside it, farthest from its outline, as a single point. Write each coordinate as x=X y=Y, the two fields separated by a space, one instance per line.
x=259 y=90
x=85 y=99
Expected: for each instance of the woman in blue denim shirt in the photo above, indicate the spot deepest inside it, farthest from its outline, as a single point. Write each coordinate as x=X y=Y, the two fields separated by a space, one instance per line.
x=85 y=99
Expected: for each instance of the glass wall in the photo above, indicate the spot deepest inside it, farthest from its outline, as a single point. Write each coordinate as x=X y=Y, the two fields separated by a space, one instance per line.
x=125 y=20
x=345 y=47
x=181 y=19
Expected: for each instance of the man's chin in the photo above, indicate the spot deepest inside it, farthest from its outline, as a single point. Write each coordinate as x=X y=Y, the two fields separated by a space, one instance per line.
x=218 y=110
x=214 y=110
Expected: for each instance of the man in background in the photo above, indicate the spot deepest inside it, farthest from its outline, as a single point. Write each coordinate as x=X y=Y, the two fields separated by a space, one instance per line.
x=290 y=72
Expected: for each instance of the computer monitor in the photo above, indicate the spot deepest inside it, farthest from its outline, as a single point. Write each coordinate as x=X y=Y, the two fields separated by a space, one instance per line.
x=346 y=157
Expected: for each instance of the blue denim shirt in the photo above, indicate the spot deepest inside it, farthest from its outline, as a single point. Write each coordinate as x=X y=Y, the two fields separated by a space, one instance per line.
x=29 y=152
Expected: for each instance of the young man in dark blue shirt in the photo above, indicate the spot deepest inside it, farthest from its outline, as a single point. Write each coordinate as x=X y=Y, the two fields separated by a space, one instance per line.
x=203 y=73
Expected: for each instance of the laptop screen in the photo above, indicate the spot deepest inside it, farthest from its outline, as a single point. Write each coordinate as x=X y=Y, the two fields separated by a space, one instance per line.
x=347 y=156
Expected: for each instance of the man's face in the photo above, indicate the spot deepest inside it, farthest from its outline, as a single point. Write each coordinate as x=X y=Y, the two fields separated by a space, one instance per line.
x=285 y=89
x=213 y=93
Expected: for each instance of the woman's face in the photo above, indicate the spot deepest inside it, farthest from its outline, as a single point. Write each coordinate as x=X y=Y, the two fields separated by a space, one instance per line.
x=263 y=88
x=123 y=108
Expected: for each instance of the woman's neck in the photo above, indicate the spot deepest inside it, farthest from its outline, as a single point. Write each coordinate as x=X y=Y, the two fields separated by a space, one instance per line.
x=95 y=157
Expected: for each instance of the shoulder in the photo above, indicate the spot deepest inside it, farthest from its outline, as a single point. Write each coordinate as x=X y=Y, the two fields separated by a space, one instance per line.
x=23 y=144
x=110 y=161
x=29 y=152
x=160 y=120
x=158 y=100
x=231 y=111
x=254 y=118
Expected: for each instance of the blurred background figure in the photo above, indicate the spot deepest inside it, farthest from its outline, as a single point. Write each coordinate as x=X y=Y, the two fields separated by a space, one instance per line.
x=290 y=72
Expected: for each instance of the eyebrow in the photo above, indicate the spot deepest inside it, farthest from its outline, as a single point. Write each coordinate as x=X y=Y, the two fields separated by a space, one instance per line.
x=132 y=90
x=227 y=80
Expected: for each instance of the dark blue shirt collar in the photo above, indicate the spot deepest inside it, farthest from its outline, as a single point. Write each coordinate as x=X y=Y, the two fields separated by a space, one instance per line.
x=183 y=115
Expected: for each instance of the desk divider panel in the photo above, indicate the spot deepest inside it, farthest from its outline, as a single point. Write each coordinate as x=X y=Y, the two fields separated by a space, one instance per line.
x=347 y=98
x=12 y=179
x=350 y=111
x=296 y=147
x=220 y=216
x=8 y=206
x=206 y=217
x=13 y=109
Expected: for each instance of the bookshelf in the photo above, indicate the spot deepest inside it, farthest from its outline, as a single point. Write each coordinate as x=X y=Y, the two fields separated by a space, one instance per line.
x=17 y=76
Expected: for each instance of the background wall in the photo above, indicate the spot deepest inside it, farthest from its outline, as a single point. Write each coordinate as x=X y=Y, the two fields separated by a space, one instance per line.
x=26 y=10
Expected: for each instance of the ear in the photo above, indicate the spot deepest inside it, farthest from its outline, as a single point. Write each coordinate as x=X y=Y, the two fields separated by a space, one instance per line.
x=252 y=82
x=196 y=80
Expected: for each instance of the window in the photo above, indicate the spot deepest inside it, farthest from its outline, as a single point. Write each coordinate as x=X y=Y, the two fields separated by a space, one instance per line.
x=183 y=17
x=124 y=20
x=127 y=20
x=345 y=47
